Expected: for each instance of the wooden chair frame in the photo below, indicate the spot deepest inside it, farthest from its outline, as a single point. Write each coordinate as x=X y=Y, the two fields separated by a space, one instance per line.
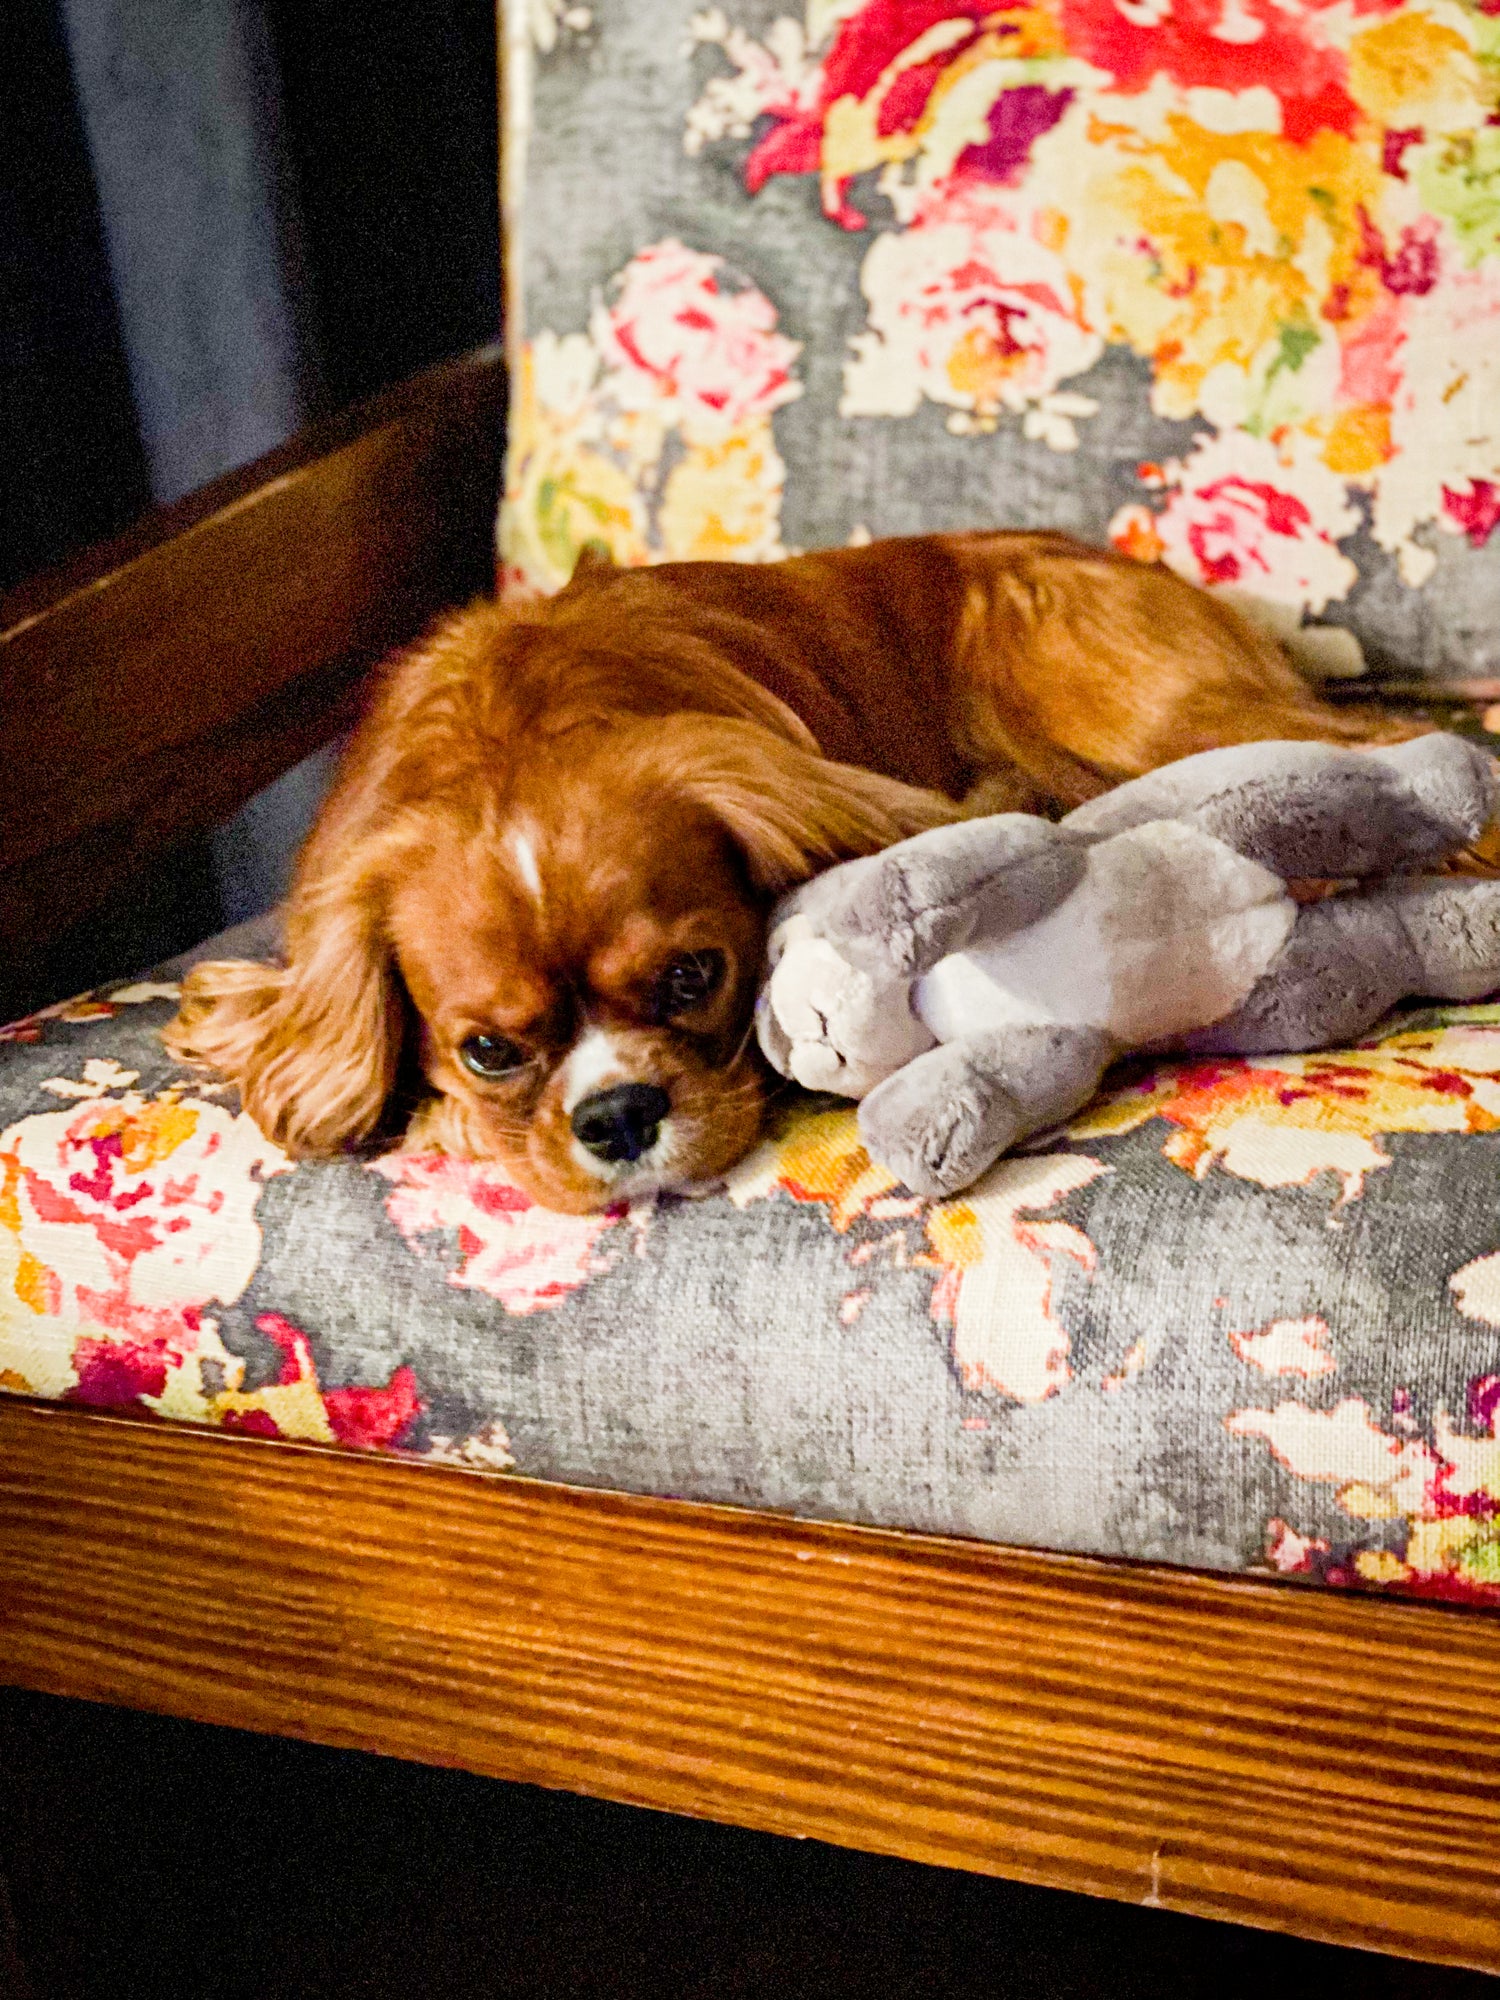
x=1256 y=1751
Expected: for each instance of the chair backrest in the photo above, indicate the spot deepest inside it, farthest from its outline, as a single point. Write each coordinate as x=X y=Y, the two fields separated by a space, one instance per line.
x=1217 y=279
x=153 y=686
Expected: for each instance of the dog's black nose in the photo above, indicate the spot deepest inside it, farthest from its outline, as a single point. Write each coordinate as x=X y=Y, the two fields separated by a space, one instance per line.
x=622 y=1123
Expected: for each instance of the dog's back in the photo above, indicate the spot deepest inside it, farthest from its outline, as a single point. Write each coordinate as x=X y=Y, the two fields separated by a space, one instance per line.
x=1030 y=664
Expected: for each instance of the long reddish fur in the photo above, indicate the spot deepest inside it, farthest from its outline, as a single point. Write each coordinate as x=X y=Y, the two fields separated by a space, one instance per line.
x=810 y=710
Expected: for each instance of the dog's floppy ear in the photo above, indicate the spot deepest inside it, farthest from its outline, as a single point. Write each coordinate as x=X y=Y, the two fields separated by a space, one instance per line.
x=312 y=1045
x=789 y=810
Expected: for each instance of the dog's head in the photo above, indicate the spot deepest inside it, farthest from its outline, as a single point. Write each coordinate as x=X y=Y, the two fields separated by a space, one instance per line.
x=551 y=902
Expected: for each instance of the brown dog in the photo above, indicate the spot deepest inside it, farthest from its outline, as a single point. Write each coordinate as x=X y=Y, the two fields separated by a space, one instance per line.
x=544 y=871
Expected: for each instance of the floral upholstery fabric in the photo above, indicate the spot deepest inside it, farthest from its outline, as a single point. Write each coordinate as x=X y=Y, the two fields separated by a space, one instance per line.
x=1240 y=1314
x=1217 y=279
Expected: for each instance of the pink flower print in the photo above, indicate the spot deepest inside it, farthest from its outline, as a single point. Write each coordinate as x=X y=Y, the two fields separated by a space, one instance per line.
x=137 y=1213
x=686 y=341
x=112 y=1374
x=525 y=1256
x=1237 y=514
x=968 y=309
x=362 y=1417
x=1232 y=45
x=1413 y=265
x=121 y=1219
x=1473 y=510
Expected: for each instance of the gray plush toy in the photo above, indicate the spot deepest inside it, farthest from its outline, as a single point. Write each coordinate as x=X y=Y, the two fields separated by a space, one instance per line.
x=972 y=984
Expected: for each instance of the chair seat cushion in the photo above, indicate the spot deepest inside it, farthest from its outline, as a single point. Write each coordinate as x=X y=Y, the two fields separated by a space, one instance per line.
x=1240 y=1314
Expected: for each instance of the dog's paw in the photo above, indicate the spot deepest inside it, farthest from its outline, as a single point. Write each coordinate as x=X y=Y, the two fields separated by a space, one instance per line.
x=831 y=1025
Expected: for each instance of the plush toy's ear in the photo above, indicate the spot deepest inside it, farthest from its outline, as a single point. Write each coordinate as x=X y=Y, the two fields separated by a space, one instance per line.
x=787 y=809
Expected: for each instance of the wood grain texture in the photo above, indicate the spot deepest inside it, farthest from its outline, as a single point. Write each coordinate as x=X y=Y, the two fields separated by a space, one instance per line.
x=158 y=682
x=1234 y=1749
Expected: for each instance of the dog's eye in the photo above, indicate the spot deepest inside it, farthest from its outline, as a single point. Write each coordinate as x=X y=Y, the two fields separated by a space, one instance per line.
x=490 y=1056
x=686 y=983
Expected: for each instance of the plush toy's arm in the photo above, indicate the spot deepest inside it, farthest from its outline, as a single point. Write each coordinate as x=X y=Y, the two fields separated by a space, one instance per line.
x=950 y=1114
x=1304 y=810
x=902 y=910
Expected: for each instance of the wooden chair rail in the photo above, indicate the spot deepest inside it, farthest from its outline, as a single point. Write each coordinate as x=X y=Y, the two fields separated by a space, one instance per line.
x=1236 y=1749
x=157 y=682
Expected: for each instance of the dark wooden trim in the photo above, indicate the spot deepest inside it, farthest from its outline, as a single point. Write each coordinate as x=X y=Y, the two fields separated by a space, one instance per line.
x=324 y=439
x=155 y=683
x=1236 y=1749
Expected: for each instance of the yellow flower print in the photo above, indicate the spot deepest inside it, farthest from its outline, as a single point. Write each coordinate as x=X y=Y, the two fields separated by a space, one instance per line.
x=1412 y=70
x=563 y=496
x=649 y=436
x=1358 y=440
x=815 y=1156
x=722 y=500
x=994 y=1250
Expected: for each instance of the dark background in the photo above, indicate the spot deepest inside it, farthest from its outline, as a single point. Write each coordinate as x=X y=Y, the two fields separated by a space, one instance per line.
x=71 y=465
x=388 y=109
x=375 y=125
x=157 y=1860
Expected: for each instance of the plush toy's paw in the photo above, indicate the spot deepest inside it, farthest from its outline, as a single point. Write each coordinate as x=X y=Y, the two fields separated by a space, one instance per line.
x=950 y=1114
x=1454 y=782
x=832 y=1025
x=1452 y=925
x=1351 y=958
x=938 y=1124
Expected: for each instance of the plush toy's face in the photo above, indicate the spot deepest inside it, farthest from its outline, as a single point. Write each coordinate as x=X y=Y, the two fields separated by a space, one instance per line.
x=829 y=1023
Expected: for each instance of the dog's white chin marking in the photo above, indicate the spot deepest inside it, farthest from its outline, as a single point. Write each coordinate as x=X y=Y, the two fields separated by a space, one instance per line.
x=523 y=853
